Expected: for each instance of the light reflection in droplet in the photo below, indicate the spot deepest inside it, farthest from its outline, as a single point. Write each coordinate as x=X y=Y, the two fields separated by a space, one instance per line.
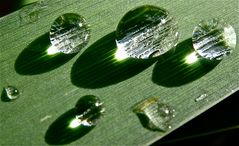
x=120 y=55
x=52 y=50
x=74 y=123
x=191 y=58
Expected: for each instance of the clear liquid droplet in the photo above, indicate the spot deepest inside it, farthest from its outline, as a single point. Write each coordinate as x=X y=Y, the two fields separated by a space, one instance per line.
x=214 y=39
x=146 y=32
x=10 y=93
x=30 y=13
x=89 y=109
x=201 y=97
x=154 y=115
x=70 y=33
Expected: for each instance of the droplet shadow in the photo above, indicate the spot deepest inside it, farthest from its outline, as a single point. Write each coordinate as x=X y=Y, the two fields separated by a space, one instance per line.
x=176 y=71
x=34 y=59
x=4 y=96
x=97 y=66
x=60 y=133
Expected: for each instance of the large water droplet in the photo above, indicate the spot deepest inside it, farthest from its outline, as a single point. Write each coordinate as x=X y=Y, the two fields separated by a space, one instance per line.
x=10 y=93
x=70 y=33
x=153 y=114
x=89 y=108
x=214 y=39
x=145 y=32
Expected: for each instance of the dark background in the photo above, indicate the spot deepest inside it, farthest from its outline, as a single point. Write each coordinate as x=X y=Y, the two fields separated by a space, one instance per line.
x=223 y=115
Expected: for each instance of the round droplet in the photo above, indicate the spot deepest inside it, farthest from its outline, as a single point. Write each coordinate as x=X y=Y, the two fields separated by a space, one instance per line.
x=70 y=33
x=146 y=32
x=214 y=39
x=10 y=93
x=89 y=108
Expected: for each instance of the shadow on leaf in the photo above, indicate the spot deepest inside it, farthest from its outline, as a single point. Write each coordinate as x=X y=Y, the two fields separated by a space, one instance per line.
x=60 y=132
x=181 y=67
x=35 y=58
x=97 y=67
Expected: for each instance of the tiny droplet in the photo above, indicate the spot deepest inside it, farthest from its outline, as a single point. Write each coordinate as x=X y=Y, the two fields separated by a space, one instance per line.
x=30 y=13
x=201 y=97
x=70 y=33
x=153 y=114
x=10 y=93
x=214 y=39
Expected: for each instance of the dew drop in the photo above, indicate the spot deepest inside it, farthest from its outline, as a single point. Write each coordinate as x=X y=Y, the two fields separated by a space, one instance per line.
x=146 y=32
x=201 y=97
x=30 y=13
x=10 y=93
x=154 y=115
x=88 y=109
x=70 y=33
x=214 y=39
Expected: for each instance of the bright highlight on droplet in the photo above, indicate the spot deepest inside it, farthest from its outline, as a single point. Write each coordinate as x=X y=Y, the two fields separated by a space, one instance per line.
x=191 y=58
x=52 y=50
x=120 y=55
x=74 y=123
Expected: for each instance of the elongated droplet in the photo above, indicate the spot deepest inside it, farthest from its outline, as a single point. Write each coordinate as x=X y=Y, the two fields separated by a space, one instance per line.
x=146 y=32
x=89 y=108
x=201 y=97
x=153 y=114
x=70 y=33
x=214 y=39
x=10 y=93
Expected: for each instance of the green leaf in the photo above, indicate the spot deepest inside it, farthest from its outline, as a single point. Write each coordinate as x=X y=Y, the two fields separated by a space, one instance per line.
x=49 y=94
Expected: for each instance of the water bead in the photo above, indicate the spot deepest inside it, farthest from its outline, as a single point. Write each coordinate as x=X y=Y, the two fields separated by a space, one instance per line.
x=153 y=114
x=88 y=109
x=70 y=33
x=214 y=39
x=146 y=32
x=10 y=93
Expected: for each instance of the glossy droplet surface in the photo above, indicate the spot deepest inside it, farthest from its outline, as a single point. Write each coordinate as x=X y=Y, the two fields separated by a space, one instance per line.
x=146 y=32
x=10 y=93
x=88 y=109
x=153 y=114
x=214 y=39
x=70 y=33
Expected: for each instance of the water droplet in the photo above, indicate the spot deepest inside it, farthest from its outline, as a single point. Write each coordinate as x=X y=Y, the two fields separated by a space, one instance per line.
x=146 y=32
x=153 y=114
x=30 y=13
x=89 y=108
x=70 y=33
x=214 y=39
x=201 y=97
x=10 y=93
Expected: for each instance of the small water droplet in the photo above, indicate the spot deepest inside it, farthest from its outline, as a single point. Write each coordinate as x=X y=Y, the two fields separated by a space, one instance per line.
x=30 y=13
x=214 y=39
x=70 y=33
x=201 y=97
x=10 y=93
x=146 y=32
x=153 y=114
x=89 y=108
